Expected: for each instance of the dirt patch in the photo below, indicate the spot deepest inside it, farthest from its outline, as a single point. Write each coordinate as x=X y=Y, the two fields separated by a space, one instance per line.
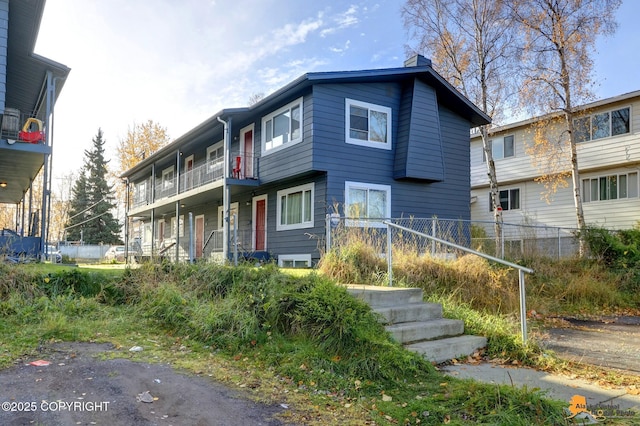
x=610 y=342
x=76 y=388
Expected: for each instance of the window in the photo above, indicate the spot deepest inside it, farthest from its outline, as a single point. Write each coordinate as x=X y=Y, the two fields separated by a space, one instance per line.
x=140 y=192
x=367 y=201
x=215 y=158
x=509 y=199
x=501 y=148
x=294 y=261
x=367 y=124
x=233 y=214
x=177 y=226
x=282 y=127
x=167 y=178
x=602 y=125
x=610 y=187
x=295 y=208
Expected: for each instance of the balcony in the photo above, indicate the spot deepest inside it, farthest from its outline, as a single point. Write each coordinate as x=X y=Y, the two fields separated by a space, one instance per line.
x=21 y=128
x=211 y=246
x=241 y=167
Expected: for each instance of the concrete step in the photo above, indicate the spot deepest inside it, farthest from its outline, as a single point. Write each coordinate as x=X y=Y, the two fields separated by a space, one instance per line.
x=445 y=349
x=410 y=312
x=425 y=330
x=379 y=297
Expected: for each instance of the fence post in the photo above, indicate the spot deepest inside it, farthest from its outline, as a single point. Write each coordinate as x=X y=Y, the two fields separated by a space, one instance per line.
x=523 y=307
x=433 y=234
x=389 y=256
x=327 y=233
x=235 y=239
x=191 y=240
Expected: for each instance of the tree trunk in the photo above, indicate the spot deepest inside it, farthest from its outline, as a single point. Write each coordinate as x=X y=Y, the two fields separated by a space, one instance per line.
x=494 y=198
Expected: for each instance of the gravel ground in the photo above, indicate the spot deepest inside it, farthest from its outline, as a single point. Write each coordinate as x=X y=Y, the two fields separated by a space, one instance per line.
x=611 y=342
x=78 y=389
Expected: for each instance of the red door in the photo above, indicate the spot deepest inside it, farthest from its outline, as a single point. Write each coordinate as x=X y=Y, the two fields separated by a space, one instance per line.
x=189 y=173
x=261 y=220
x=199 y=236
x=248 y=154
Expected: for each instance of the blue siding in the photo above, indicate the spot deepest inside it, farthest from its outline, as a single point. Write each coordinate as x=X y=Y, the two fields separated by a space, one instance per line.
x=4 y=35
x=290 y=161
x=419 y=148
x=344 y=162
x=449 y=198
x=296 y=241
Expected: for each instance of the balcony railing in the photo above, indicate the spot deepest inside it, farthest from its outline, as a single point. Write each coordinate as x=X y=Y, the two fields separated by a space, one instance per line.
x=203 y=173
x=21 y=127
x=213 y=243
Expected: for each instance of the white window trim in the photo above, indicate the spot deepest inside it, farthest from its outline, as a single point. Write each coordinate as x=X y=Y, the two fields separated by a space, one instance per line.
x=370 y=144
x=210 y=149
x=291 y=142
x=586 y=197
x=591 y=115
x=294 y=257
x=500 y=140
x=166 y=183
x=234 y=210
x=303 y=225
x=363 y=185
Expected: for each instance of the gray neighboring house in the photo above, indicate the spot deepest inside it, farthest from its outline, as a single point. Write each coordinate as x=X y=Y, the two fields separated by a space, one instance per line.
x=371 y=143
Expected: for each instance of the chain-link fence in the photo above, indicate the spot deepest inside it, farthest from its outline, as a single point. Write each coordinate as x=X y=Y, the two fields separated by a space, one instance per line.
x=503 y=240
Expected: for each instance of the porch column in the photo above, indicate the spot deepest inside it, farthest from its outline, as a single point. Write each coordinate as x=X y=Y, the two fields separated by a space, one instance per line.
x=178 y=155
x=226 y=193
x=177 y=230
x=153 y=232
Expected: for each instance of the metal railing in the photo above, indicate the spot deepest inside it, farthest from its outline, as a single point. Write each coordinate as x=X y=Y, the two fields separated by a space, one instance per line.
x=240 y=167
x=521 y=269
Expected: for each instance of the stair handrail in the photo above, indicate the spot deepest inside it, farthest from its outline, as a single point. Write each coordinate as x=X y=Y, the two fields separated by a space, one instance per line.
x=521 y=269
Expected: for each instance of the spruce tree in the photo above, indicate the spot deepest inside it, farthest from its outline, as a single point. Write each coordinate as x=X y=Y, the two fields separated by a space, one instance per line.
x=78 y=212
x=92 y=200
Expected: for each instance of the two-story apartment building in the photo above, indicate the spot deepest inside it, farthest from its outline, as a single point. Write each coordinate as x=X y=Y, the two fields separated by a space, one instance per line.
x=367 y=144
x=608 y=151
x=29 y=87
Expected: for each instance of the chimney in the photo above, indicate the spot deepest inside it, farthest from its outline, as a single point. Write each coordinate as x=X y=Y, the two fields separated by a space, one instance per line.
x=417 y=61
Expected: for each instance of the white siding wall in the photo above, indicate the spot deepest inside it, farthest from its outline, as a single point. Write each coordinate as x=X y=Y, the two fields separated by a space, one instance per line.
x=613 y=155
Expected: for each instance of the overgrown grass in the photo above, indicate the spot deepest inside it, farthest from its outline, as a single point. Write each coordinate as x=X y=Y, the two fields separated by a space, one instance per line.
x=302 y=332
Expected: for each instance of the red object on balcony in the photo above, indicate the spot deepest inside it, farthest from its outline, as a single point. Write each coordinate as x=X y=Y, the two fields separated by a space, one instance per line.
x=237 y=168
x=31 y=136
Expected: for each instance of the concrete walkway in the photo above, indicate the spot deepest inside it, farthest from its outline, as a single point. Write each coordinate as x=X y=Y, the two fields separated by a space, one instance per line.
x=555 y=386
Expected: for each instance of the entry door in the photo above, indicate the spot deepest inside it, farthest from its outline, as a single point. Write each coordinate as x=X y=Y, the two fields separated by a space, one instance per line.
x=247 y=151
x=199 y=235
x=260 y=223
x=188 y=172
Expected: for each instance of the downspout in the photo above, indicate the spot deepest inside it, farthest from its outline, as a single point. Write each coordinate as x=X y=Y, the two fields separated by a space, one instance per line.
x=226 y=202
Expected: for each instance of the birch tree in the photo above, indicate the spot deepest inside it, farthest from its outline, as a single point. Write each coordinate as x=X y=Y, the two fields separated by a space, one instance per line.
x=471 y=45
x=557 y=43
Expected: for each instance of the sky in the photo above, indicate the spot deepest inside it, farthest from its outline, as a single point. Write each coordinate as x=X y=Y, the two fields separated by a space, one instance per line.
x=180 y=62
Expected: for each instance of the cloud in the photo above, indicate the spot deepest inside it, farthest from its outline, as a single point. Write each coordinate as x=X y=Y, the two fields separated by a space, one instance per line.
x=342 y=49
x=342 y=20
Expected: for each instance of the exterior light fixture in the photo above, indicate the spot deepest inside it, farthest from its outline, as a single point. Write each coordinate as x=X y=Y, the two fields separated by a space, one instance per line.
x=3 y=184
